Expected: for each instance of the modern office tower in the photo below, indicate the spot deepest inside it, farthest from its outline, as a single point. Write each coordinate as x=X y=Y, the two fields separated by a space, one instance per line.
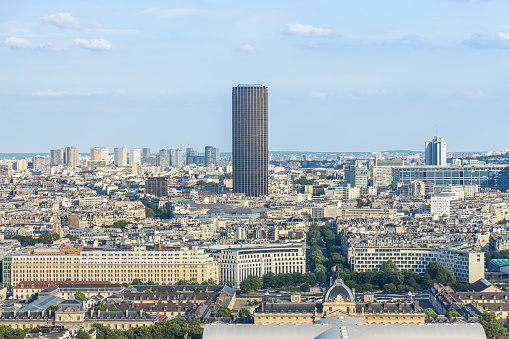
x=71 y=156
x=156 y=186
x=356 y=176
x=176 y=157
x=42 y=165
x=120 y=158
x=56 y=157
x=191 y=155
x=211 y=156
x=250 y=139
x=135 y=156
x=163 y=158
x=95 y=154
x=436 y=152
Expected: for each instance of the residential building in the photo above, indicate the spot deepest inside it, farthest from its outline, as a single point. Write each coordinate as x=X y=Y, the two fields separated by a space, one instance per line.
x=120 y=157
x=42 y=165
x=445 y=205
x=57 y=157
x=250 y=139
x=71 y=156
x=157 y=186
x=211 y=156
x=163 y=159
x=134 y=156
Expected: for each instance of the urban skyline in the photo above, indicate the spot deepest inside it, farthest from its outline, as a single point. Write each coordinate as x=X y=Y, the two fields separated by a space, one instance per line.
x=329 y=66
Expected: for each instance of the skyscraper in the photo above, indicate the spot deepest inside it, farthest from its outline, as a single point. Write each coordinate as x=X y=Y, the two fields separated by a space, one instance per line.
x=135 y=156
x=211 y=156
x=163 y=159
x=250 y=139
x=71 y=156
x=436 y=152
x=120 y=157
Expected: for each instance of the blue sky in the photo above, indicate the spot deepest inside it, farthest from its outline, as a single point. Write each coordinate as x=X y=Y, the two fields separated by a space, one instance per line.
x=342 y=75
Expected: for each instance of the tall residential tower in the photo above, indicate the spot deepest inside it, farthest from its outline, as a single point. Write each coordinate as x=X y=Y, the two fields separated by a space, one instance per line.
x=250 y=139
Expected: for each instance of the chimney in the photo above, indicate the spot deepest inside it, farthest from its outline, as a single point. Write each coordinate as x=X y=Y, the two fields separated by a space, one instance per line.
x=399 y=305
x=127 y=313
x=141 y=312
x=385 y=305
x=369 y=305
x=98 y=313
x=28 y=313
x=263 y=306
x=416 y=305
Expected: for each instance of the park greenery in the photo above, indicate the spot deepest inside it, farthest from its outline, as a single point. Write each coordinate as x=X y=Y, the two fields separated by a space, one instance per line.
x=12 y=333
x=152 y=211
x=303 y=181
x=118 y=224
x=493 y=326
x=80 y=296
x=28 y=240
x=176 y=328
x=223 y=312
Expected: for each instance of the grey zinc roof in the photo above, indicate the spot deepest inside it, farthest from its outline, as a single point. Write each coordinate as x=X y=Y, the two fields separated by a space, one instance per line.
x=343 y=328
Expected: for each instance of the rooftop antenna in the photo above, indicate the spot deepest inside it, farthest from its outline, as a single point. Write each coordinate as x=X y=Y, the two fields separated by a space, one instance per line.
x=436 y=129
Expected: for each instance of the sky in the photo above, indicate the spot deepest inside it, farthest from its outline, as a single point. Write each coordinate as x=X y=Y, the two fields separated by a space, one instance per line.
x=365 y=75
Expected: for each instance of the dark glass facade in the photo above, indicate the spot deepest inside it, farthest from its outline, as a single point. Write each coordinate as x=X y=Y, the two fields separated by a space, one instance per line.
x=250 y=139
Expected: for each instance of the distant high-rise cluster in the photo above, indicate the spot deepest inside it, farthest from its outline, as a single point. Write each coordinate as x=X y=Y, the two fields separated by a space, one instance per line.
x=120 y=156
x=436 y=152
x=250 y=139
x=71 y=156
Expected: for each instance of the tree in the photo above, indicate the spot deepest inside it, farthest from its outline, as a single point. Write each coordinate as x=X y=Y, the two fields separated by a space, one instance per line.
x=439 y=274
x=429 y=312
x=80 y=296
x=223 y=312
x=493 y=327
x=366 y=288
x=194 y=329
x=199 y=290
x=137 y=281
x=113 y=309
x=251 y=283
x=11 y=333
x=244 y=312
x=150 y=282
x=101 y=308
x=388 y=266
x=389 y=288
x=304 y=287
x=51 y=308
x=452 y=313
x=82 y=334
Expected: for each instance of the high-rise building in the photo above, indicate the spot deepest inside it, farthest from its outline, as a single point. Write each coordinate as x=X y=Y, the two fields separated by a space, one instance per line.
x=95 y=154
x=120 y=158
x=71 y=156
x=145 y=155
x=156 y=186
x=163 y=158
x=191 y=155
x=99 y=156
x=250 y=139
x=356 y=176
x=42 y=165
x=436 y=152
x=56 y=157
x=176 y=157
x=211 y=156
x=135 y=156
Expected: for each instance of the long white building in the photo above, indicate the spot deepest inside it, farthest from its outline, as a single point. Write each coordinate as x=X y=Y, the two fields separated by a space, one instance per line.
x=236 y=263
x=466 y=266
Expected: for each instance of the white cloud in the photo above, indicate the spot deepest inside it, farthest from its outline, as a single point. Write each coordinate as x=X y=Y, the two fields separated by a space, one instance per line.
x=484 y=41
x=93 y=44
x=172 y=11
x=472 y=94
x=317 y=95
x=48 y=46
x=246 y=48
x=52 y=93
x=17 y=43
x=373 y=92
x=308 y=30
x=62 y=20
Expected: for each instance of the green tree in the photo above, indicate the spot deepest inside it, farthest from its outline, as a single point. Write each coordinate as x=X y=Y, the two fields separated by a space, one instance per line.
x=390 y=288
x=304 y=287
x=440 y=274
x=244 y=312
x=137 y=281
x=452 y=313
x=366 y=288
x=101 y=308
x=113 y=309
x=389 y=266
x=429 y=312
x=8 y=332
x=493 y=326
x=149 y=213
x=80 y=296
x=223 y=311
x=82 y=334
x=194 y=329
x=199 y=290
x=51 y=308
x=251 y=283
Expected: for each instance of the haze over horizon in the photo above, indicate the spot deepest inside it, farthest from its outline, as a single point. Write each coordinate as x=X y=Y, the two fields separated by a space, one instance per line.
x=342 y=76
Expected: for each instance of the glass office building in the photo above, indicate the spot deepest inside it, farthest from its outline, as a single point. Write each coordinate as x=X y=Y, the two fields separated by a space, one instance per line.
x=485 y=176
